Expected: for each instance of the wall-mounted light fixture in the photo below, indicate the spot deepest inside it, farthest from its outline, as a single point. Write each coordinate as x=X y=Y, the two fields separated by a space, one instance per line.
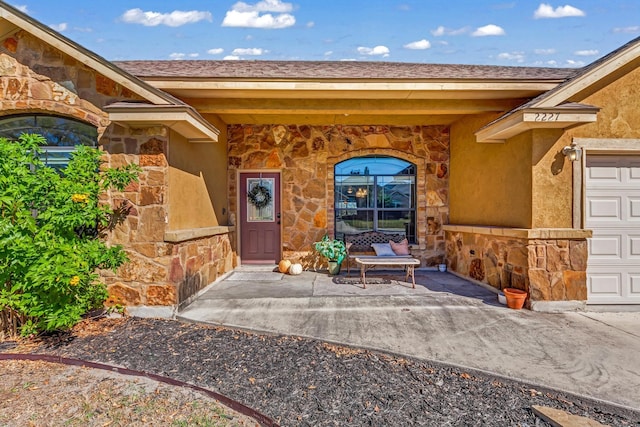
x=572 y=152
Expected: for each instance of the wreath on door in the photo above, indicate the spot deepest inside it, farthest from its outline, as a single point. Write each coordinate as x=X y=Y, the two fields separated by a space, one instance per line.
x=259 y=196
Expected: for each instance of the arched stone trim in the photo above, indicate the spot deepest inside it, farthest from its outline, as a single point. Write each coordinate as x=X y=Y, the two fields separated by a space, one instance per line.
x=421 y=186
x=11 y=108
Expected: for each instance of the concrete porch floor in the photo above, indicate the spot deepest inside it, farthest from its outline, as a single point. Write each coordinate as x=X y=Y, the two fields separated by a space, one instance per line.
x=445 y=318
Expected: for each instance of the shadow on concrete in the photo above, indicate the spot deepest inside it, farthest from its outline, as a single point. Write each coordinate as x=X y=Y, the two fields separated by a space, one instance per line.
x=249 y=282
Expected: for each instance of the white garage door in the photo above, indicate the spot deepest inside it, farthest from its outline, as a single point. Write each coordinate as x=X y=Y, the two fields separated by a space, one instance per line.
x=613 y=213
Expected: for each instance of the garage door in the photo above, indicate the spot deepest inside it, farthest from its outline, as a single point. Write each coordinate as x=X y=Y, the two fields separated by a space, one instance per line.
x=613 y=213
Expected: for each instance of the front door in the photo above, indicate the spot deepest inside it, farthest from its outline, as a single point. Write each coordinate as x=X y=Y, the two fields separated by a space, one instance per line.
x=260 y=217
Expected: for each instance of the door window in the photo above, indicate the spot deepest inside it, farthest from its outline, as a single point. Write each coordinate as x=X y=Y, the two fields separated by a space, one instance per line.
x=260 y=200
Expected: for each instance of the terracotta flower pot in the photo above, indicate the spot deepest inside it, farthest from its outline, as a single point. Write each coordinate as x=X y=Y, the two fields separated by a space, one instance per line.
x=515 y=297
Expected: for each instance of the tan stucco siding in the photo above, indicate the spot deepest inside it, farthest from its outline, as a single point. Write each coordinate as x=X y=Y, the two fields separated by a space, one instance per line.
x=197 y=184
x=552 y=192
x=619 y=115
x=490 y=184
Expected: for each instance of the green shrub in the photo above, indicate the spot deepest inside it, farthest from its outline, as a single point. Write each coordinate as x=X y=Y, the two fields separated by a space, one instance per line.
x=52 y=227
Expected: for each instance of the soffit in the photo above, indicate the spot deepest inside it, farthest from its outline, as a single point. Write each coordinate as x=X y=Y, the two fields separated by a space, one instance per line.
x=351 y=102
x=181 y=118
x=317 y=92
x=560 y=117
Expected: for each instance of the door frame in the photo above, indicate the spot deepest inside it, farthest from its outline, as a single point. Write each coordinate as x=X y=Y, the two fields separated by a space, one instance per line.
x=238 y=213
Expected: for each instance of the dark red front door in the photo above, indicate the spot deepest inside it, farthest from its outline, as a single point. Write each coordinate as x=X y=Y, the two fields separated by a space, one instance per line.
x=260 y=217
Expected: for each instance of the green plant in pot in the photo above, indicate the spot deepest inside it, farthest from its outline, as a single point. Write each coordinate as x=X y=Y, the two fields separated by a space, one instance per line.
x=334 y=251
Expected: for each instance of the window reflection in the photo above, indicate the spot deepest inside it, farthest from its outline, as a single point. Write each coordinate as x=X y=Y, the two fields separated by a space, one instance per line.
x=375 y=194
x=62 y=135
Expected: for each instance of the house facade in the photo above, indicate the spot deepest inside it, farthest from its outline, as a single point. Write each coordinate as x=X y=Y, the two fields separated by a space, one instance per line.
x=512 y=176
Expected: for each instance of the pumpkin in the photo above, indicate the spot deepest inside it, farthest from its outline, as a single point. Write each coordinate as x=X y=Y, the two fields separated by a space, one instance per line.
x=283 y=266
x=295 y=269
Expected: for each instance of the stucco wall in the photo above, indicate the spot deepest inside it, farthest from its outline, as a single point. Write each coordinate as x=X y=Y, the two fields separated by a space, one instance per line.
x=197 y=184
x=619 y=115
x=306 y=155
x=552 y=191
x=490 y=183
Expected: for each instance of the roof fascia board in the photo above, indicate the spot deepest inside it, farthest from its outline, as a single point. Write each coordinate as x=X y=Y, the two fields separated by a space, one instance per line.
x=181 y=119
x=535 y=118
x=439 y=86
x=83 y=55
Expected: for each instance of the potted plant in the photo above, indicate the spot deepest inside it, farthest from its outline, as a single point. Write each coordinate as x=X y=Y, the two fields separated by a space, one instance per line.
x=334 y=251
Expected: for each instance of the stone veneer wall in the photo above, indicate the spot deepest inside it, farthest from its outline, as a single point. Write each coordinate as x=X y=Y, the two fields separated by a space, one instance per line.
x=159 y=272
x=306 y=156
x=37 y=78
x=549 y=269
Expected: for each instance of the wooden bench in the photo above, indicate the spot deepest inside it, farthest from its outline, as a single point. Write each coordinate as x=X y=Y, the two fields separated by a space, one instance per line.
x=360 y=251
x=408 y=262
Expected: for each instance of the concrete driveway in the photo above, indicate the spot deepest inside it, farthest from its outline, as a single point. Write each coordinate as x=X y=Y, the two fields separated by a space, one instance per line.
x=445 y=319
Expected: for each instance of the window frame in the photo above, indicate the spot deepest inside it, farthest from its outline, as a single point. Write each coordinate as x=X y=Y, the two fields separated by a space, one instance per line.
x=374 y=206
x=88 y=138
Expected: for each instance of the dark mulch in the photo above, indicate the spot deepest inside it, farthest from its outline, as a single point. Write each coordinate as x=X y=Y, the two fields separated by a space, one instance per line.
x=307 y=382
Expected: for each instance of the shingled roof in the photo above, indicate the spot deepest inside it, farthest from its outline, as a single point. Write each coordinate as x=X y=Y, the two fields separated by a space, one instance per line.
x=201 y=69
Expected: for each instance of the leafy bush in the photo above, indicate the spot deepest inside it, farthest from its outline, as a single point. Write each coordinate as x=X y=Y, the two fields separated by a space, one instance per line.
x=51 y=230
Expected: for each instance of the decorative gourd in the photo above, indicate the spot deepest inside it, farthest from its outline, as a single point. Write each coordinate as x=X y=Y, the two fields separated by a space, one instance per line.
x=283 y=266
x=295 y=269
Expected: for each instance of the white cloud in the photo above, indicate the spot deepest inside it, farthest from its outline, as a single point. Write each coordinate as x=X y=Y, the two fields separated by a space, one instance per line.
x=311 y=24
x=173 y=19
x=253 y=16
x=512 y=56
x=544 y=51
x=59 y=27
x=547 y=11
x=573 y=63
x=231 y=58
x=215 y=51
x=83 y=29
x=586 y=52
x=251 y=51
x=328 y=53
x=21 y=7
x=552 y=63
x=263 y=6
x=442 y=31
x=627 y=30
x=418 y=45
x=348 y=59
x=375 y=51
x=180 y=55
x=488 y=30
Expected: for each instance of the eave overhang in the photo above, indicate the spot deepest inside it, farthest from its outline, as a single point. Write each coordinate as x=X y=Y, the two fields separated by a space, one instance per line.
x=560 y=117
x=181 y=118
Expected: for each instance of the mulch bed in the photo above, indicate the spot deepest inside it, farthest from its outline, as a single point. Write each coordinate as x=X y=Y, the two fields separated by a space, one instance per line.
x=305 y=382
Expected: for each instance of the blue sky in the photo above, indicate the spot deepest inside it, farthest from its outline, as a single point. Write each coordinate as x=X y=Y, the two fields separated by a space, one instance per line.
x=570 y=33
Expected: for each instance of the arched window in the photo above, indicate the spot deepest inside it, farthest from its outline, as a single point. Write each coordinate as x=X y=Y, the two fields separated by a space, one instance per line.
x=62 y=135
x=375 y=194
